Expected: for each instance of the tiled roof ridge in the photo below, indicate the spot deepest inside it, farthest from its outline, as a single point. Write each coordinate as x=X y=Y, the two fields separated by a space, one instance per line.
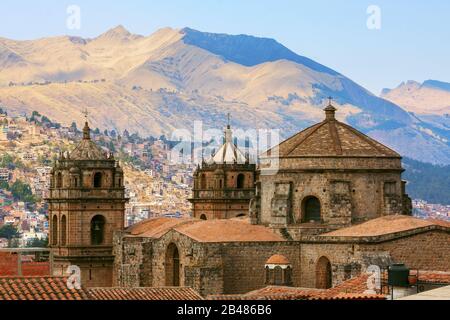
x=313 y=129
x=335 y=136
x=371 y=141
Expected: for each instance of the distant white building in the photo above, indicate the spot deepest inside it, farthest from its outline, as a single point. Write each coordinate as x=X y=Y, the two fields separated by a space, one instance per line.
x=5 y=174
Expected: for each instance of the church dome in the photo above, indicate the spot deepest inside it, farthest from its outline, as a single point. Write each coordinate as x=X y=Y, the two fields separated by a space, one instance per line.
x=74 y=170
x=332 y=138
x=278 y=259
x=228 y=153
x=87 y=149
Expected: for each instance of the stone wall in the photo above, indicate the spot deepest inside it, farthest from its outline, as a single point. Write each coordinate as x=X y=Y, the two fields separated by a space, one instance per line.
x=362 y=198
x=209 y=268
x=425 y=251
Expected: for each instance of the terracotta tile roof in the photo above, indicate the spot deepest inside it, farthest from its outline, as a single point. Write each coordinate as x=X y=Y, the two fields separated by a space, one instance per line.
x=129 y=294
x=332 y=138
x=38 y=288
x=234 y=230
x=355 y=285
x=386 y=225
x=350 y=290
x=442 y=277
x=55 y=288
x=278 y=259
x=227 y=231
x=156 y=227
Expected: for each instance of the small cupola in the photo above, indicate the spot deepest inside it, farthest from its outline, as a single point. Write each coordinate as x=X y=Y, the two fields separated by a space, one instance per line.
x=278 y=271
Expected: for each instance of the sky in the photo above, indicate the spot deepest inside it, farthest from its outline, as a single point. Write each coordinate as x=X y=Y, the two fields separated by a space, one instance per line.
x=405 y=40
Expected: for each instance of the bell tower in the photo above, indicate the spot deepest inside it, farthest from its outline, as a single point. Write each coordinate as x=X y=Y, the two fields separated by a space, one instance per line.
x=86 y=206
x=225 y=183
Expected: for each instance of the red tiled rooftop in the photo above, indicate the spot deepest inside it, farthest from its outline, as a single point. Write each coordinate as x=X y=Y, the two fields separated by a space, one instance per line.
x=155 y=227
x=227 y=231
x=290 y=293
x=129 y=294
x=38 y=288
x=55 y=288
x=233 y=230
x=386 y=225
x=278 y=259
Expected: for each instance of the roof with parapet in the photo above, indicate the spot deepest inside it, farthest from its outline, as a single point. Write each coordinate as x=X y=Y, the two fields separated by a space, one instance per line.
x=230 y=230
x=331 y=138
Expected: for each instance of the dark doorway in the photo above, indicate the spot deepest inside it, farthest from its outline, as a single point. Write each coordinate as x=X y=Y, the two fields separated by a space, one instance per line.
x=323 y=274
x=98 y=180
x=97 y=230
x=203 y=217
x=55 y=230
x=203 y=182
x=240 y=181
x=311 y=209
x=172 y=266
x=63 y=230
x=59 y=180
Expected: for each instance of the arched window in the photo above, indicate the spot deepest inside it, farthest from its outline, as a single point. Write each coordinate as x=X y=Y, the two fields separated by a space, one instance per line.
x=311 y=209
x=288 y=276
x=98 y=180
x=172 y=266
x=240 y=181
x=278 y=276
x=55 y=230
x=203 y=217
x=203 y=182
x=59 y=180
x=97 y=230
x=220 y=184
x=63 y=230
x=323 y=274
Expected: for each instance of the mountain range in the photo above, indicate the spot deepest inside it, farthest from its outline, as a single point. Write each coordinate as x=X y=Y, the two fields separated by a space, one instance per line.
x=157 y=83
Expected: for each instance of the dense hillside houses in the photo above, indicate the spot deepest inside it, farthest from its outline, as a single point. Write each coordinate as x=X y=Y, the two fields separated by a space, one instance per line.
x=154 y=186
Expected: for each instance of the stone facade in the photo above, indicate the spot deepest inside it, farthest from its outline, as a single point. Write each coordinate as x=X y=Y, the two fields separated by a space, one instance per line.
x=424 y=251
x=209 y=268
x=350 y=177
x=86 y=206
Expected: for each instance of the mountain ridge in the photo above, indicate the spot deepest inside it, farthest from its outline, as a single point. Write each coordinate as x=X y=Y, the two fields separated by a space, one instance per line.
x=161 y=82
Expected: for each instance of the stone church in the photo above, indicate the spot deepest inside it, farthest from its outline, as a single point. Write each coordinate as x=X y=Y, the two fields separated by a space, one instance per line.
x=336 y=205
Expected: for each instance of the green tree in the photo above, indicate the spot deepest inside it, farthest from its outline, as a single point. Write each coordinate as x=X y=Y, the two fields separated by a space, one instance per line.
x=22 y=192
x=37 y=243
x=4 y=185
x=9 y=232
